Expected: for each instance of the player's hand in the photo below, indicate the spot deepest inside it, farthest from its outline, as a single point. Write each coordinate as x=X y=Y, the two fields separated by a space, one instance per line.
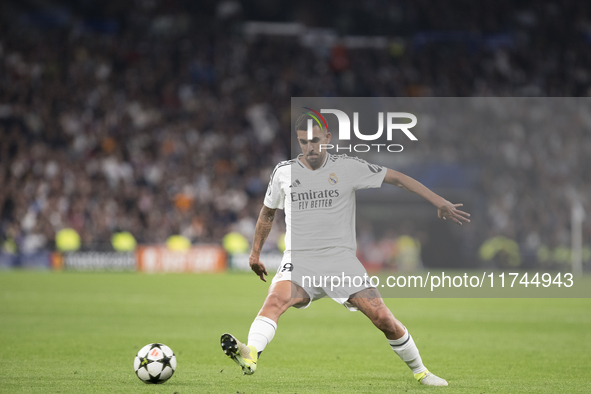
x=258 y=267
x=447 y=210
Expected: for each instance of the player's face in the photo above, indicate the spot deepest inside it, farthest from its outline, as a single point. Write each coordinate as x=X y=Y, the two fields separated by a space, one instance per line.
x=313 y=155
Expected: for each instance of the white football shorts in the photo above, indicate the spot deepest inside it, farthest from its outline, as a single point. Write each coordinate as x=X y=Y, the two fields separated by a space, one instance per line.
x=329 y=272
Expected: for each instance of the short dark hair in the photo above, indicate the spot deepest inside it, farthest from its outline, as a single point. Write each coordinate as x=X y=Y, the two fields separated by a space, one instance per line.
x=302 y=122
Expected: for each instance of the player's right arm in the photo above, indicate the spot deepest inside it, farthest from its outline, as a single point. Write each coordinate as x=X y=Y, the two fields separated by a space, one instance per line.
x=262 y=230
x=274 y=199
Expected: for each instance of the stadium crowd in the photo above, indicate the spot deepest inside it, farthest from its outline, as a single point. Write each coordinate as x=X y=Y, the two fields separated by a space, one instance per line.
x=161 y=121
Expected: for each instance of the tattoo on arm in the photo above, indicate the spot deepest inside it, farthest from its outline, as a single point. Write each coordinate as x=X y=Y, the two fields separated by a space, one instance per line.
x=263 y=228
x=267 y=215
x=264 y=233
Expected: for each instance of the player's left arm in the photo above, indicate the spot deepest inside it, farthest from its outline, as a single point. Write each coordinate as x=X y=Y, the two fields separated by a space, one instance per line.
x=445 y=209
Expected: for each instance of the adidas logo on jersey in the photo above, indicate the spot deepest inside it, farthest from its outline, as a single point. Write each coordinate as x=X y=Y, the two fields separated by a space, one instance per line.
x=296 y=183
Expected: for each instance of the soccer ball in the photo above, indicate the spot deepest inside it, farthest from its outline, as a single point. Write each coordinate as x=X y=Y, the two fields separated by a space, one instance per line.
x=154 y=363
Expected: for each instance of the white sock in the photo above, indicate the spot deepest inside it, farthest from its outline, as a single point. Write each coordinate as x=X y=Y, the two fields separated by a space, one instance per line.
x=406 y=349
x=261 y=332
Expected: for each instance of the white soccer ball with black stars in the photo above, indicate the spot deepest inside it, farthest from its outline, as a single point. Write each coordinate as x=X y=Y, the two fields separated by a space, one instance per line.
x=154 y=363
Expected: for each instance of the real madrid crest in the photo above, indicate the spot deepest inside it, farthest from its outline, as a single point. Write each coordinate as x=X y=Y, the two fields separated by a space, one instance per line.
x=332 y=179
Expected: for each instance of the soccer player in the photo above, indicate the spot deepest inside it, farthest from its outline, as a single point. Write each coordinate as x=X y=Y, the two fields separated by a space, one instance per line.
x=317 y=192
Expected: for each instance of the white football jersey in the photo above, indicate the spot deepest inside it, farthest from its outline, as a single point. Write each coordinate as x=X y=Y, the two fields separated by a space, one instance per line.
x=320 y=205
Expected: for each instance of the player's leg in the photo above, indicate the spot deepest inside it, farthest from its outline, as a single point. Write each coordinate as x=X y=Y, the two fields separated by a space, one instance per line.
x=371 y=304
x=369 y=301
x=282 y=295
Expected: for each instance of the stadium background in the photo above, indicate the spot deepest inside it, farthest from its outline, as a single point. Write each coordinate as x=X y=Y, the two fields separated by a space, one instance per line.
x=166 y=118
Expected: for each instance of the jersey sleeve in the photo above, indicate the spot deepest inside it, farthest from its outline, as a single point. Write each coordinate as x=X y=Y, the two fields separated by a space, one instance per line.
x=367 y=175
x=275 y=196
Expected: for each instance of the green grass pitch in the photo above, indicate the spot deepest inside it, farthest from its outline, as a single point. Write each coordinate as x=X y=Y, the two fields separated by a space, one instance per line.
x=78 y=333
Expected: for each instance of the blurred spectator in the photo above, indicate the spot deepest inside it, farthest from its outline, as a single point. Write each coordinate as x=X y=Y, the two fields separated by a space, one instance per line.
x=165 y=119
x=500 y=252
